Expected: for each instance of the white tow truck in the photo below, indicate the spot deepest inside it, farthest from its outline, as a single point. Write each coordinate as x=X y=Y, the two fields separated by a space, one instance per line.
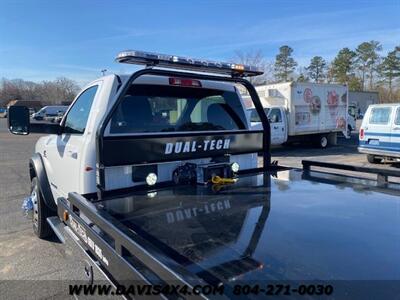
x=155 y=177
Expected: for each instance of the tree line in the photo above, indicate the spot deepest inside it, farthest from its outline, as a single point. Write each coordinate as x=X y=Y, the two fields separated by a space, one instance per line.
x=362 y=68
x=58 y=91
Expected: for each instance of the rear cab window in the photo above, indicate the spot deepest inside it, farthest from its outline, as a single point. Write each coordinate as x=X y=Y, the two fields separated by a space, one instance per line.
x=380 y=115
x=158 y=108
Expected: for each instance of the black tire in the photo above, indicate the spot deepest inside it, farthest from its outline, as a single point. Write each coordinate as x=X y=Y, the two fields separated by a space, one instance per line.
x=40 y=212
x=322 y=141
x=373 y=159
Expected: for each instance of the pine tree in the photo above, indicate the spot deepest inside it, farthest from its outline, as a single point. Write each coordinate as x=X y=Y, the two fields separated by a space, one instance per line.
x=389 y=69
x=302 y=78
x=342 y=67
x=284 y=63
x=367 y=60
x=316 y=69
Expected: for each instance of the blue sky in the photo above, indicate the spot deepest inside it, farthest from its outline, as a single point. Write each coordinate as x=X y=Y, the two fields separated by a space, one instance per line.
x=42 y=40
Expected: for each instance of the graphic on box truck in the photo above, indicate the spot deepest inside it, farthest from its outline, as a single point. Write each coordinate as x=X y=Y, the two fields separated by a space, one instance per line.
x=315 y=107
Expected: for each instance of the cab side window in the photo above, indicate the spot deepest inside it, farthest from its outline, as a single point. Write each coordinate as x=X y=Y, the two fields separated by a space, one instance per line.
x=275 y=115
x=78 y=115
x=397 y=120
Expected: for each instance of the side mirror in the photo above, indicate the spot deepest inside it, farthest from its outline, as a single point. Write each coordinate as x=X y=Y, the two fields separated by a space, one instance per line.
x=18 y=120
x=19 y=123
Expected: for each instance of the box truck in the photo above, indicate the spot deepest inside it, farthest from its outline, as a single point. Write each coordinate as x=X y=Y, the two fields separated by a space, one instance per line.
x=303 y=112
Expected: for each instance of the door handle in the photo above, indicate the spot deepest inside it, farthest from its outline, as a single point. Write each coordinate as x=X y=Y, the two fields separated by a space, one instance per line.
x=275 y=127
x=396 y=128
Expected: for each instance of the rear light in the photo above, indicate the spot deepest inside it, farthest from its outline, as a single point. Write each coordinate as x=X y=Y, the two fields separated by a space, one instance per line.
x=361 y=133
x=184 y=82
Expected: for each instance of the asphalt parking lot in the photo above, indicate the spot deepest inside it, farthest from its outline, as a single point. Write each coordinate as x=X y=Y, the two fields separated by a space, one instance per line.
x=25 y=257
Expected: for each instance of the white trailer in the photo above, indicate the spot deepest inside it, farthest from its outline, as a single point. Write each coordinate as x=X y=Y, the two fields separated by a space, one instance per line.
x=302 y=112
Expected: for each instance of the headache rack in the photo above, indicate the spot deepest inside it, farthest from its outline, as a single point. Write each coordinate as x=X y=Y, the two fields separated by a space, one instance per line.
x=234 y=73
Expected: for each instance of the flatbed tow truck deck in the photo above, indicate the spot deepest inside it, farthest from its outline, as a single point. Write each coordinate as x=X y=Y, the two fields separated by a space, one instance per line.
x=205 y=230
x=268 y=227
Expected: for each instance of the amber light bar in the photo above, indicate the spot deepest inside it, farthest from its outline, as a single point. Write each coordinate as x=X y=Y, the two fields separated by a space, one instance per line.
x=186 y=63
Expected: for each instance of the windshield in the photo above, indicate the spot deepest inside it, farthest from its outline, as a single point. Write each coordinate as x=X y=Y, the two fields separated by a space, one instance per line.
x=254 y=117
x=157 y=108
x=352 y=111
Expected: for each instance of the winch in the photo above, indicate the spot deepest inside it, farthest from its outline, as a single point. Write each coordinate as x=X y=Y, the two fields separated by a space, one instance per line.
x=217 y=173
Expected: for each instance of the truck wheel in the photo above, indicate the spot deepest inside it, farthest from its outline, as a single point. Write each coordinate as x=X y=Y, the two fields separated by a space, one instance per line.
x=373 y=159
x=322 y=141
x=40 y=211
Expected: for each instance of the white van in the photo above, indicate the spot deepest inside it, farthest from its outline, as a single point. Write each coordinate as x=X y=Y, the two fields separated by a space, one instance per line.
x=50 y=111
x=380 y=133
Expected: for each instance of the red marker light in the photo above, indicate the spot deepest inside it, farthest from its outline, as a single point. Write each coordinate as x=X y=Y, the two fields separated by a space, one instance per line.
x=87 y=169
x=184 y=82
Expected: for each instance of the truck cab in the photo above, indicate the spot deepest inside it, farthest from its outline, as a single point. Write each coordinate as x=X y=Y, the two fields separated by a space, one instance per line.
x=155 y=106
x=278 y=122
x=118 y=130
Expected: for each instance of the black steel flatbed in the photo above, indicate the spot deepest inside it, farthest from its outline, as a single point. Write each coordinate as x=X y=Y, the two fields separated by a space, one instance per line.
x=288 y=225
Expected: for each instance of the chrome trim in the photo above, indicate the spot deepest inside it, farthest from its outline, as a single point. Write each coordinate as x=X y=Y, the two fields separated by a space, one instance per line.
x=386 y=153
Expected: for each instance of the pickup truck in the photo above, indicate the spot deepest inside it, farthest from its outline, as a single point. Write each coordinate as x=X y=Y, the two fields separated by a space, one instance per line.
x=158 y=178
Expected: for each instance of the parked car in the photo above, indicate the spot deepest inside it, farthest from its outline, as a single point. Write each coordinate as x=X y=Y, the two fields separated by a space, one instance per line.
x=32 y=111
x=3 y=112
x=49 y=112
x=380 y=133
x=58 y=119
